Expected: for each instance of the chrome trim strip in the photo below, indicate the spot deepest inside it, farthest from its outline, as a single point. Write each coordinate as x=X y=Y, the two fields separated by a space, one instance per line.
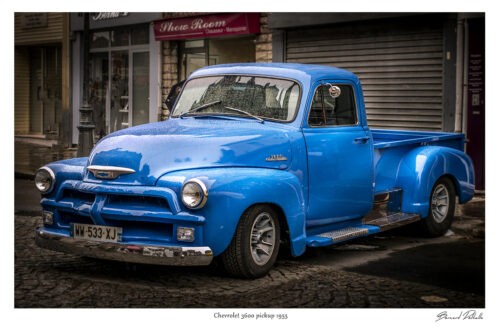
x=108 y=172
x=88 y=187
x=134 y=253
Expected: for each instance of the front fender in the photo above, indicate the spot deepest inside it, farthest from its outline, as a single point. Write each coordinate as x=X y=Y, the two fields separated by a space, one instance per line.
x=71 y=169
x=422 y=167
x=233 y=190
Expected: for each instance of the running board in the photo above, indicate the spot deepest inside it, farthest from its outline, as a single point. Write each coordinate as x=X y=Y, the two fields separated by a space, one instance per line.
x=392 y=220
x=386 y=215
x=339 y=235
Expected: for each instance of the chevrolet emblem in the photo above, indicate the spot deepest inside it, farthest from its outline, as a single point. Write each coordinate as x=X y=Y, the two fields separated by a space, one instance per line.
x=108 y=172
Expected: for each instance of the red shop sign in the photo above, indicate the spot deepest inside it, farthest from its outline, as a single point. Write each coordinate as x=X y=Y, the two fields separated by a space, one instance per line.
x=207 y=26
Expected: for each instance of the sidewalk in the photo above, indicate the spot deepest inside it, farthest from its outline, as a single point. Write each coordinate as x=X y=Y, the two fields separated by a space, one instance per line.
x=470 y=218
x=29 y=157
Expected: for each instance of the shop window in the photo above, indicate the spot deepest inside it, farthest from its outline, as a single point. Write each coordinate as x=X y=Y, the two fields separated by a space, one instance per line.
x=139 y=35
x=99 y=39
x=199 y=53
x=120 y=37
x=189 y=44
x=224 y=51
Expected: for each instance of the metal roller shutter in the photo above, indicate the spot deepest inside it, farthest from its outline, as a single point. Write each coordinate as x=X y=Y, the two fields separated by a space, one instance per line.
x=400 y=68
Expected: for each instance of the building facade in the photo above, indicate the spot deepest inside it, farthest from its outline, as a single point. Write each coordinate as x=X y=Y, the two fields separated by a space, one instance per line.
x=136 y=58
x=194 y=40
x=418 y=71
x=42 y=77
x=123 y=70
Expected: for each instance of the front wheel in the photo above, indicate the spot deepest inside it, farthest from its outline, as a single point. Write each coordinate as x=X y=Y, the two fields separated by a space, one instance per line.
x=255 y=245
x=441 y=208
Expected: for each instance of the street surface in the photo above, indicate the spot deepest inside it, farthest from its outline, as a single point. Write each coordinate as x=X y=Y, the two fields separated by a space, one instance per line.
x=397 y=269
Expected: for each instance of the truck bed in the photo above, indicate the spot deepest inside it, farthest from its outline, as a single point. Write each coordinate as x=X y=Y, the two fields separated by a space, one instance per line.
x=383 y=138
x=393 y=145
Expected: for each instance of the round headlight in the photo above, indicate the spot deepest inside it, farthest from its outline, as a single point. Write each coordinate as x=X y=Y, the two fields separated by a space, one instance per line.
x=44 y=180
x=194 y=194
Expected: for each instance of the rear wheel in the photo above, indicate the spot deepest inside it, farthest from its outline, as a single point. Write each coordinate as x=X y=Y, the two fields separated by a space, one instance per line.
x=255 y=245
x=441 y=208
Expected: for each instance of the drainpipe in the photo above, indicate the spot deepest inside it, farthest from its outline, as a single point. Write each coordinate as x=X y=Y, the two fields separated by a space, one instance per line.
x=459 y=75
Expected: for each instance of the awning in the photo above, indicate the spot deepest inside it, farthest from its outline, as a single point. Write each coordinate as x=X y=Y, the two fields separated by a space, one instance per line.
x=198 y=27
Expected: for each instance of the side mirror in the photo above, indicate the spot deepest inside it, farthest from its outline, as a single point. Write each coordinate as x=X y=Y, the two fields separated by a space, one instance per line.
x=334 y=91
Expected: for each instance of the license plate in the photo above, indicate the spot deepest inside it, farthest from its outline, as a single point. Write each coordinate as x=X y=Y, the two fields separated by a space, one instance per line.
x=97 y=232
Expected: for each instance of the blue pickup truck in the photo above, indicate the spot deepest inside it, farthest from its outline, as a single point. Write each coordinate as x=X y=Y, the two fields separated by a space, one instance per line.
x=254 y=159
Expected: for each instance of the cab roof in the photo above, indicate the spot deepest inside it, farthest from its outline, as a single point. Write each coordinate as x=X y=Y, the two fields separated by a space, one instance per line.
x=302 y=72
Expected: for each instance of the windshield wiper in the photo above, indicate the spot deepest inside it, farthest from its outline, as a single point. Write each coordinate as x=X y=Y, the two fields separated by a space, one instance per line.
x=245 y=113
x=201 y=107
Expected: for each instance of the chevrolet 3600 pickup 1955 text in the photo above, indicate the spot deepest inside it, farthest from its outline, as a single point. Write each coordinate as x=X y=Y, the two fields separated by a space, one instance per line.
x=253 y=159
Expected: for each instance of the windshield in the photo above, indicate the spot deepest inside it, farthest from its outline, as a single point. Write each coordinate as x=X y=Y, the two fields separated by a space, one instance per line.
x=241 y=96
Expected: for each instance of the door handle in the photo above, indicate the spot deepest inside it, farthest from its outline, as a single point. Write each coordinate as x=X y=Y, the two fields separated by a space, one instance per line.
x=363 y=139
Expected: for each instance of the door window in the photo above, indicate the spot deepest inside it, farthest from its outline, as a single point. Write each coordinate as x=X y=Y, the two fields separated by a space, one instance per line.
x=333 y=105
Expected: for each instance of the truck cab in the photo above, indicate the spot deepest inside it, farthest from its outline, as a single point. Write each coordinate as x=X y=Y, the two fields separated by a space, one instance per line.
x=254 y=158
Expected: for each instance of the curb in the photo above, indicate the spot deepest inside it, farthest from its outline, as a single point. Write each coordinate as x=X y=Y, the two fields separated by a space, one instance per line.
x=24 y=175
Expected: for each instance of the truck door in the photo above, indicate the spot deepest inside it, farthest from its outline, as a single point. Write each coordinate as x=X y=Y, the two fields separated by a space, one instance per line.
x=340 y=156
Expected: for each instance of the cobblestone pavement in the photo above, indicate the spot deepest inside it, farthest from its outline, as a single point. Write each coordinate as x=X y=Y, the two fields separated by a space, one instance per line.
x=46 y=279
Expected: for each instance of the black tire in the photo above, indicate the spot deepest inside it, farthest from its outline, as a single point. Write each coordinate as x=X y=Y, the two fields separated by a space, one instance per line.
x=249 y=255
x=441 y=208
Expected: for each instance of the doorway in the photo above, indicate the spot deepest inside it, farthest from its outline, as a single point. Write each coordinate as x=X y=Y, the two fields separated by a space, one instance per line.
x=476 y=123
x=119 y=79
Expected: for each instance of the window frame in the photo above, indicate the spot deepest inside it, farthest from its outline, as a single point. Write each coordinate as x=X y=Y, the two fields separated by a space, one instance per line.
x=297 y=107
x=353 y=94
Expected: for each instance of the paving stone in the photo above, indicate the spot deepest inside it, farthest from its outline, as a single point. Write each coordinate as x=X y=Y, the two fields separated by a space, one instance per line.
x=47 y=279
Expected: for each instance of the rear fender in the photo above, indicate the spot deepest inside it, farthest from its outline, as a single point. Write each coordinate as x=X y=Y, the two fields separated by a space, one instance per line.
x=231 y=191
x=422 y=167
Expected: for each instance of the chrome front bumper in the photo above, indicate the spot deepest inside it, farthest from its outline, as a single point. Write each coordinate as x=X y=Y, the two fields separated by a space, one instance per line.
x=143 y=254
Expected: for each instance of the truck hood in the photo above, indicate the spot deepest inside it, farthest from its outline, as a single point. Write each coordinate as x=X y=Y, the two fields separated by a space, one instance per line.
x=152 y=150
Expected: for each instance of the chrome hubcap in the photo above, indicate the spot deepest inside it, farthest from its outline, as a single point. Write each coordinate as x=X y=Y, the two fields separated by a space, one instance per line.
x=440 y=203
x=263 y=238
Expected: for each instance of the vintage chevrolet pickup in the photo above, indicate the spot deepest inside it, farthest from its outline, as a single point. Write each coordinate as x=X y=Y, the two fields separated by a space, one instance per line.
x=253 y=159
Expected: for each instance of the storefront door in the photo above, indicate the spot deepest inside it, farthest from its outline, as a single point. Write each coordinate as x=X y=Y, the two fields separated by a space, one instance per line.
x=99 y=65
x=476 y=122
x=120 y=82
x=119 y=111
x=140 y=88
x=119 y=90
